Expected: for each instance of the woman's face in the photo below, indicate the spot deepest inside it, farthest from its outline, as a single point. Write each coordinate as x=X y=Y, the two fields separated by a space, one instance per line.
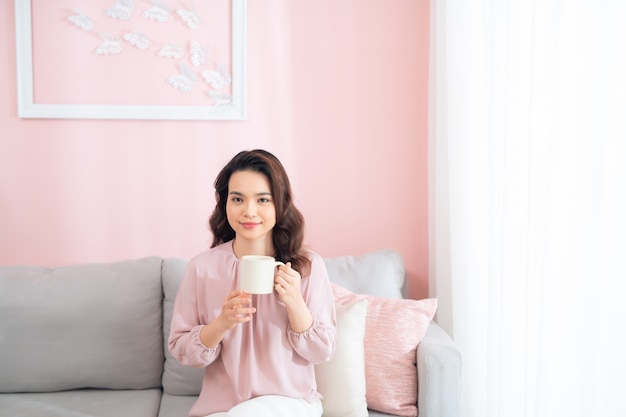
x=250 y=208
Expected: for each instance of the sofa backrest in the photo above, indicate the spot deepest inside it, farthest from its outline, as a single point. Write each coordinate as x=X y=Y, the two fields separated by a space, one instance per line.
x=378 y=273
x=177 y=379
x=83 y=326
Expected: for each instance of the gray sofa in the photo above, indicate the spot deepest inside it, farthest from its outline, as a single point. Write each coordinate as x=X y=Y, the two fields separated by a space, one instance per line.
x=91 y=339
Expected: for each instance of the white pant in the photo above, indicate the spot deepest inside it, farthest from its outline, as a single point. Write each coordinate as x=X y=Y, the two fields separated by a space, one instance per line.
x=273 y=406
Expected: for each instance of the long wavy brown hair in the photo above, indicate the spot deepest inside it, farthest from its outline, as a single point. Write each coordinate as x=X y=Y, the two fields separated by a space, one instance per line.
x=288 y=233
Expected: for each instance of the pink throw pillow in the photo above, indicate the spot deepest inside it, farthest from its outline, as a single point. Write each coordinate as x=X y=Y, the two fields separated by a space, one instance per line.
x=393 y=329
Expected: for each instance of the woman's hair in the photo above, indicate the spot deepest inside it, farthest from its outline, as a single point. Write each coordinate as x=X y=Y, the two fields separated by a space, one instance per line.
x=288 y=233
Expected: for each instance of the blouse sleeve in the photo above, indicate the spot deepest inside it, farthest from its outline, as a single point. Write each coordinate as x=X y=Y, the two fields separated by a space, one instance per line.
x=317 y=344
x=184 y=340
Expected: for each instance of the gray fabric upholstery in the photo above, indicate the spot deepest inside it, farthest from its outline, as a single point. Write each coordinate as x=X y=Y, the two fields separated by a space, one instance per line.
x=439 y=366
x=172 y=405
x=83 y=403
x=101 y=321
x=378 y=273
x=177 y=379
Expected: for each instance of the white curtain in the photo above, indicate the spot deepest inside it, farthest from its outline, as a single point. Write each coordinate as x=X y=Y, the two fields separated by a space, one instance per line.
x=528 y=202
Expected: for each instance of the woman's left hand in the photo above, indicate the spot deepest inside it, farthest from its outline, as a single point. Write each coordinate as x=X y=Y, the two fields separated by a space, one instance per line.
x=287 y=284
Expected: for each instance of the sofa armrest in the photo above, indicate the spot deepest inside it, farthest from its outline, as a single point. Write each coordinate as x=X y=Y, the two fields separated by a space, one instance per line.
x=438 y=374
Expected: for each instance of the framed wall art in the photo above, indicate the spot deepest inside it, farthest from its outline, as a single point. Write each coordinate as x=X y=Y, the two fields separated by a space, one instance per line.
x=131 y=59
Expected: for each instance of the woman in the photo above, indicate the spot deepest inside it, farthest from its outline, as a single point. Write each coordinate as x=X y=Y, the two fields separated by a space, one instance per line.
x=258 y=351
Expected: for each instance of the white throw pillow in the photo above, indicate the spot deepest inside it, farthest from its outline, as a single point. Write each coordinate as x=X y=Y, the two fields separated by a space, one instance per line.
x=342 y=380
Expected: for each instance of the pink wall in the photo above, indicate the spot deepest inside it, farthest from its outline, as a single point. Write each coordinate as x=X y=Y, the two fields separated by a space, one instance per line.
x=337 y=90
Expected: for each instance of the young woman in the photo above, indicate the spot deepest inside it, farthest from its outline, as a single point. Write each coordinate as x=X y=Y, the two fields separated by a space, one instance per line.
x=258 y=351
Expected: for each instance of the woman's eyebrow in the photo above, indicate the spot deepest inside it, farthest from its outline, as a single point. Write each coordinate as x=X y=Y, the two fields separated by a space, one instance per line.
x=238 y=193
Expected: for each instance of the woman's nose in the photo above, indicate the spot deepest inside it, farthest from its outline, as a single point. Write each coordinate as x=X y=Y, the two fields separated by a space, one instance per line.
x=250 y=210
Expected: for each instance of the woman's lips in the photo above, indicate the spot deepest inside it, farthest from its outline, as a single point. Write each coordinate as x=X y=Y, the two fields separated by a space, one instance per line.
x=249 y=225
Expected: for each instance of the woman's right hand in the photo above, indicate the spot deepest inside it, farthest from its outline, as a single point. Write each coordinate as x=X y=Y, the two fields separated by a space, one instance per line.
x=237 y=309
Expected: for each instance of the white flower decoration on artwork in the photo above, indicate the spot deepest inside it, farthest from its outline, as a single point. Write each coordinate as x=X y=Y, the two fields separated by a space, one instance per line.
x=184 y=80
x=218 y=78
x=189 y=17
x=200 y=65
x=111 y=44
x=81 y=20
x=159 y=12
x=197 y=54
x=121 y=10
x=137 y=39
x=172 y=51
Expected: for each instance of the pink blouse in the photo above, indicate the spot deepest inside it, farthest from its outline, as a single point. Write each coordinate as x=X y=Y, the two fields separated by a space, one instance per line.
x=260 y=357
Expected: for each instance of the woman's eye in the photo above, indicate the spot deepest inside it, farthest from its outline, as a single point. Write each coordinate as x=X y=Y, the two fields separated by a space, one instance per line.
x=236 y=200
x=264 y=200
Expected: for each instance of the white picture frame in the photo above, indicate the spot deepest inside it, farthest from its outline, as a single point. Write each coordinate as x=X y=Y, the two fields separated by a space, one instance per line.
x=28 y=108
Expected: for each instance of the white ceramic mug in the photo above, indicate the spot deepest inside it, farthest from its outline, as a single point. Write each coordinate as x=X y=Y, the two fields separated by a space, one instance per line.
x=256 y=273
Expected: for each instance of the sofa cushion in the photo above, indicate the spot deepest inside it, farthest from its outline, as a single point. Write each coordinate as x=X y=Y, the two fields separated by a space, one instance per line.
x=83 y=403
x=176 y=405
x=177 y=379
x=378 y=273
x=393 y=329
x=341 y=380
x=90 y=325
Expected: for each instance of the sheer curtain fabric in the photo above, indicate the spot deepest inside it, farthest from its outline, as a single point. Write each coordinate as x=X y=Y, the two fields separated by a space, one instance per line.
x=528 y=202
